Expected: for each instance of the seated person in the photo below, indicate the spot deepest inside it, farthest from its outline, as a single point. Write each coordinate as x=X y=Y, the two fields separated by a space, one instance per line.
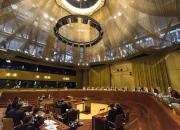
x=59 y=103
x=156 y=91
x=38 y=120
x=119 y=111
x=142 y=89
x=16 y=113
x=16 y=103
x=173 y=93
x=27 y=124
x=112 y=113
x=35 y=110
x=9 y=107
x=18 y=116
x=65 y=106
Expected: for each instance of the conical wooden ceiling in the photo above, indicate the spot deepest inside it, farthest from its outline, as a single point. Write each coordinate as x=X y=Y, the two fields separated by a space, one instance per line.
x=130 y=26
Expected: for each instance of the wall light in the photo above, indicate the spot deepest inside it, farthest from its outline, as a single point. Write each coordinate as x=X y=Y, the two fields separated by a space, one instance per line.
x=8 y=74
x=66 y=78
x=14 y=75
x=37 y=76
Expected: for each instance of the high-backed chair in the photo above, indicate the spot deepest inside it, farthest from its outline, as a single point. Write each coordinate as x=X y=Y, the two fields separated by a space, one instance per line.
x=117 y=125
x=8 y=124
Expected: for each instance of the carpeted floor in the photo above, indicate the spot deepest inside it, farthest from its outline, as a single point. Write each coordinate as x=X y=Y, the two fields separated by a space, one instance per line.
x=87 y=125
x=86 y=119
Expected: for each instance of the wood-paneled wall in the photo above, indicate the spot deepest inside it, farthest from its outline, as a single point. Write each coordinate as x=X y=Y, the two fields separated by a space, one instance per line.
x=99 y=76
x=150 y=71
x=173 y=68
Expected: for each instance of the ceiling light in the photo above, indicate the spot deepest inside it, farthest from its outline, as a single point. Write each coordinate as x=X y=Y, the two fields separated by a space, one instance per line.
x=14 y=6
x=8 y=61
x=34 y=6
x=47 y=58
x=26 y=52
x=52 y=19
x=65 y=21
x=119 y=14
x=115 y=17
x=45 y=15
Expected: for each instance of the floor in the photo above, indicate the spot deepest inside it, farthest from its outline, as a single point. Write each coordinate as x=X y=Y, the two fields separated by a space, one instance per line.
x=96 y=108
x=141 y=117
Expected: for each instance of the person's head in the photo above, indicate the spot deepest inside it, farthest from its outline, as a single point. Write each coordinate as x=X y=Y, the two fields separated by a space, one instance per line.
x=27 y=119
x=16 y=99
x=36 y=109
x=61 y=100
x=111 y=105
x=169 y=89
x=118 y=105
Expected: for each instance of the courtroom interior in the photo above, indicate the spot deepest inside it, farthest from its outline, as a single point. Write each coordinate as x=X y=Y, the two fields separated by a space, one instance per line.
x=89 y=64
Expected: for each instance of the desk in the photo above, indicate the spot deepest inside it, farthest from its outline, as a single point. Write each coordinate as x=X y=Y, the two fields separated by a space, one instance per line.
x=61 y=126
x=99 y=122
x=47 y=103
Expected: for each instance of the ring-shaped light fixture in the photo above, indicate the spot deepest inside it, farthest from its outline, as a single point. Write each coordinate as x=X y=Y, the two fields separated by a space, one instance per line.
x=74 y=19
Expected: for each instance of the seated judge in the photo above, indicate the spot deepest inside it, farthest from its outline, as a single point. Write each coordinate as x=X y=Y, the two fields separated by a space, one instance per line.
x=63 y=106
x=27 y=124
x=173 y=93
x=119 y=111
x=112 y=113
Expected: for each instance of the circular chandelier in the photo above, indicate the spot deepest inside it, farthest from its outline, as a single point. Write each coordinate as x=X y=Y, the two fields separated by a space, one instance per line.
x=83 y=20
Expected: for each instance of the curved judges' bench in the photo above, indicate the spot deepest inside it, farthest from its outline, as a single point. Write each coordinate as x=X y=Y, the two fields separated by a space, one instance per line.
x=146 y=111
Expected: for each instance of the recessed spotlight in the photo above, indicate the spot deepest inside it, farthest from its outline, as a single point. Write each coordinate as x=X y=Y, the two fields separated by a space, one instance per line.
x=34 y=6
x=45 y=15
x=52 y=19
x=14 y=6
x=119 y=14
x=115 y=17
x=8 y=61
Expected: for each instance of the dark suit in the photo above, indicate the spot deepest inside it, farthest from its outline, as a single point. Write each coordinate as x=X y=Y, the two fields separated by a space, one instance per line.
x=18 y=116
x=119 y=111
x=26 y=127
x=112 y=115
x=175 y=94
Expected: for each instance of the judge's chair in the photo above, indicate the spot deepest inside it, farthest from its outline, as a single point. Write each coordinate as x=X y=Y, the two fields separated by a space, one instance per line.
x=117 y=125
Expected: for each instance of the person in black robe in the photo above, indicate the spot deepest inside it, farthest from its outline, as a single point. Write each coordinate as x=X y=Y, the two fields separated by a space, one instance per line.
x=27 y=124
x=112 y=113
